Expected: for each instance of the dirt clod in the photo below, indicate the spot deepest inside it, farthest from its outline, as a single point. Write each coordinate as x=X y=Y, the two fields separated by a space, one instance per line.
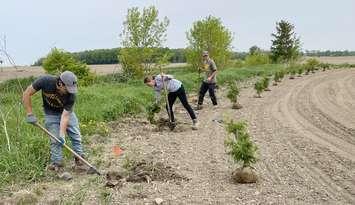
x=245 y=175
x=114 y=179
x=146 y=171
x=237 y=106
x=66 y=176
x=158 y=201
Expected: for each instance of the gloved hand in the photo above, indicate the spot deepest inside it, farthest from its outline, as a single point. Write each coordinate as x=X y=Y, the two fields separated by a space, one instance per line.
x=31 y=119
x=62 y=139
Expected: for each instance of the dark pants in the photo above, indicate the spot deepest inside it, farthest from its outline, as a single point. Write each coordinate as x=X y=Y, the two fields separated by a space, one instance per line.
x=203 y=89
x=183 y=99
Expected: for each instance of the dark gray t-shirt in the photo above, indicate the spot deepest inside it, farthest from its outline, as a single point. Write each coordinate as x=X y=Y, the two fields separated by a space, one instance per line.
x=53 y=102
x=209 y=67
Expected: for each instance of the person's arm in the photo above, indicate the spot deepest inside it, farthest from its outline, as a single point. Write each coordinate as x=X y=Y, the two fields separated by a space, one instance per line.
x=26 y=99
x=214 y=68
x=158 y=87
x=64 y=121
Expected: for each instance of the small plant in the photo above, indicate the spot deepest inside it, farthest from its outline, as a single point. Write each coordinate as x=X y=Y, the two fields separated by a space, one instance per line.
x=324 y=66
x=300 y=71
x=282 y=74
x=266 y=82
x=242 y=150
x=152 y=109
x=276 y=78
x=292 y=73
x=232 y=95
x=259 y=87
x=311 y=65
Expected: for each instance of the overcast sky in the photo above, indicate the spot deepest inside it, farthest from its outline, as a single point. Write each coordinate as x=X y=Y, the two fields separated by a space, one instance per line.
x=33 y=27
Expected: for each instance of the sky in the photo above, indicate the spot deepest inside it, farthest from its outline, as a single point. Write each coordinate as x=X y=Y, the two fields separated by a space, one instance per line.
x=33 y=27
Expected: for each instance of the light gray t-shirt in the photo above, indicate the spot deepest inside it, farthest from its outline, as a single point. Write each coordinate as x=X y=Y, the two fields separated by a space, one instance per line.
x=171 y=84
x=209 y=67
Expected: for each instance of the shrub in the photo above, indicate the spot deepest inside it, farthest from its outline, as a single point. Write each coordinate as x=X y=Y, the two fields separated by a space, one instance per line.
x=266 y=81
x=241 y=148
x=311 y=65
x=238 y=63
x=232 y=94
x=257 y=58
x=276 y=78
x=300 y=71
x=282 y=74
x=58 y=61
x=324 y=66
x=259 y=87
x=151 y=110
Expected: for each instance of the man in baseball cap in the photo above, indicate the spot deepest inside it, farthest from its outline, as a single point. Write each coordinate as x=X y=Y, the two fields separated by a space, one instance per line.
x=70 y=81
x=58 y=95
x=209 y=81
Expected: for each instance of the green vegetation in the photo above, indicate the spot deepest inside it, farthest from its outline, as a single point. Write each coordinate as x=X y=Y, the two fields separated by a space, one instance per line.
x=233 y=93
x=143 y=35
x=285 y=45
x=58 y=61
x=109 y=56
x=311 y=65
x=266 y=82
x=211 y=35
x=240 y=146
x=152 y=109
x=257 y=58
x=324 y=66
x=329 y=53
x=300 y=71
x=259 y=87
x=276 y=78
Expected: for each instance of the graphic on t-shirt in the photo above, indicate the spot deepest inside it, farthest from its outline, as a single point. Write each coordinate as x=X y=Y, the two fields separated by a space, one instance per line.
x=53 y=100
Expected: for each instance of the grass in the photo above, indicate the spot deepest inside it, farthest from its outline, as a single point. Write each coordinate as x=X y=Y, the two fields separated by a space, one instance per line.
x=110 y=98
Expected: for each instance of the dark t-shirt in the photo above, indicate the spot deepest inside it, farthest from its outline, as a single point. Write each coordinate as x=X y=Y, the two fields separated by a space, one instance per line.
x=53 y=102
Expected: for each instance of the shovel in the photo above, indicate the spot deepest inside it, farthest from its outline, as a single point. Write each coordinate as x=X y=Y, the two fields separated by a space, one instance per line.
x=91 y=170
x=171 y=124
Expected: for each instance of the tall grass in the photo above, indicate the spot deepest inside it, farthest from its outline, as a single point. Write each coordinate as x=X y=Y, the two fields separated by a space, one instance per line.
x=110 y=98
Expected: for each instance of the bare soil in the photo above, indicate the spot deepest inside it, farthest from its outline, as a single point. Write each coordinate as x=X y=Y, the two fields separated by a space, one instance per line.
x=304 y=129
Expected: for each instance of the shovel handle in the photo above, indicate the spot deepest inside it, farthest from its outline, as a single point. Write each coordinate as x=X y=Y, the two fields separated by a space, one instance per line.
x=68 y=148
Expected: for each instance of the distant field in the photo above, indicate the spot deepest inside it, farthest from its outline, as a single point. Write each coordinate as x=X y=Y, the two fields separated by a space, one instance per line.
x=27 y=71
x=337 y=59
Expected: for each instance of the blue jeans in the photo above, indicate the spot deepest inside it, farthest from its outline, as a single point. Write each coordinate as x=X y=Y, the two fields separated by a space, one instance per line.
x=52 y=123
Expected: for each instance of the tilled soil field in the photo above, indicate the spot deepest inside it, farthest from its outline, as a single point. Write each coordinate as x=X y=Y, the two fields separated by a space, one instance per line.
x=304 y=128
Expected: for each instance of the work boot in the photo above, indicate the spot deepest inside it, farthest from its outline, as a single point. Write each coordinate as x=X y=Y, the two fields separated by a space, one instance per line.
x=199 y=107
x=172 y=125
x=56 y=166
x=79 y=166
x=194 y=124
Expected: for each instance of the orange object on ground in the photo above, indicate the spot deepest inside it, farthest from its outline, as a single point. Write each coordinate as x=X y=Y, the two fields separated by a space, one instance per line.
x=117 y=150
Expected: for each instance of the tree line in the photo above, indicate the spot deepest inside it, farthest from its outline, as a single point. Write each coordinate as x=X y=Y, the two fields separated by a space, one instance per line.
x=109 y=56
x=329 y=53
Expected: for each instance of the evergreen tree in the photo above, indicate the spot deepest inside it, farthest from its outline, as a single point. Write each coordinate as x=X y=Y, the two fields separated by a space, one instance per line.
x=285 y=45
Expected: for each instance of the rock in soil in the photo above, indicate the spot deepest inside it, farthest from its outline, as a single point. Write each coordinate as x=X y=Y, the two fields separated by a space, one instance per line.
x=149 y=171
x=245 y=175
x=66 y=176
x=237 y=106
x=158 y=201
